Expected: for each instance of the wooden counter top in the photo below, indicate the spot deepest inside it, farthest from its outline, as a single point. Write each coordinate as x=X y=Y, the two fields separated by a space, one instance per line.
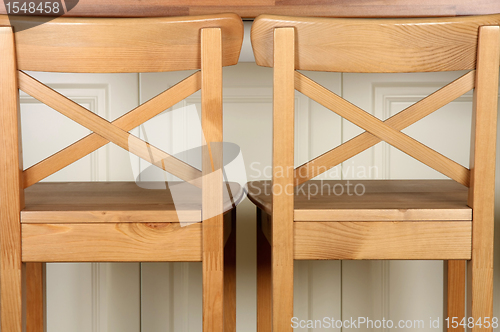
x=253 y=8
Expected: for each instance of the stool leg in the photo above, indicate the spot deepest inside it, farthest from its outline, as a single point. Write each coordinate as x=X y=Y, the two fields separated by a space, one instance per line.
x=264 y=280
x=11 y=287
x=282 y=284
x=454 y=293
x=230 y=274
x=480 y=292
x=35 y=289
x=482 y=185
x=213 y=277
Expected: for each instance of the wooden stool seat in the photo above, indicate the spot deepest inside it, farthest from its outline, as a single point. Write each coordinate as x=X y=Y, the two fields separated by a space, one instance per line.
x=392 y=219
x=91 y=221
x=98 y=202
x=371 y=200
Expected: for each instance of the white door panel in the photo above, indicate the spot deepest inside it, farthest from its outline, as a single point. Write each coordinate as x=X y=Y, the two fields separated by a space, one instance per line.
x=107 y=297
x=411 y=290
x=78 y=295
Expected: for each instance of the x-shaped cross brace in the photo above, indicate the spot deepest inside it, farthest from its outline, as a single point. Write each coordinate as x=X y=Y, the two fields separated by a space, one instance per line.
x=389 y=130
x=116 y=131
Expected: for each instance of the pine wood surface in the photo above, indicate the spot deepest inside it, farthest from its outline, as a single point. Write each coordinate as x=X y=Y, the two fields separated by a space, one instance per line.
x=482 y=164
x=382 y=240
x=376 y=45
x=212 y=164
x=11 y=193
x=112 y=242
x=283 y=152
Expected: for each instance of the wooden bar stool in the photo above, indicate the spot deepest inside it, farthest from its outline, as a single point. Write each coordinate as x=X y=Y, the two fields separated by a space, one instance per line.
x=418 y=219
x=107 y=222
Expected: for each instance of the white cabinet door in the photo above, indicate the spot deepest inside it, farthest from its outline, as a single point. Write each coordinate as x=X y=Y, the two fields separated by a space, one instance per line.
x=151 y=297
x=409 y=290
x=403 y=290
x=85 y=297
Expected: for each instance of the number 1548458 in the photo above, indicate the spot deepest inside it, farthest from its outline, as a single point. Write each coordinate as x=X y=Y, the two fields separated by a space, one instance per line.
x=30 y=7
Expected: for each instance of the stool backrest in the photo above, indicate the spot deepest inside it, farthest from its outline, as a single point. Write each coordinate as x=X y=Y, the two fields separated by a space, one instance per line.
x=374 y=45
x=98 y=45
x=115 y=45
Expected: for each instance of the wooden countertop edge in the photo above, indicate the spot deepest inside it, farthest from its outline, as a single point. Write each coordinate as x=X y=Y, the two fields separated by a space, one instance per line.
x=253 y=8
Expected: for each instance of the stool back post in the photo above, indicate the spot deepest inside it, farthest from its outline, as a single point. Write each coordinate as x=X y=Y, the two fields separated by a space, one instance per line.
x=213 y=223
x=283 y=182
x=11 y=187
x=482 y=168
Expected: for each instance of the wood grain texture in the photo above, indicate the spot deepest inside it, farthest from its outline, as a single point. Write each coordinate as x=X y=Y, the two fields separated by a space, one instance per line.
x=11 y=188
x=381 y=200
x=264 y=277
x=101 y=202
x=112 y=242
x=282 y=182
x=35 y=297
x=482 y=190
x=127 y=122
x=108 y=131
x=120 y=45
x=377 y=127
x=382 y=240
x=212 y=166
x=253 y=8
x=455 y=292
x=105 y=215
x=381 y=45
x=399 y=121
